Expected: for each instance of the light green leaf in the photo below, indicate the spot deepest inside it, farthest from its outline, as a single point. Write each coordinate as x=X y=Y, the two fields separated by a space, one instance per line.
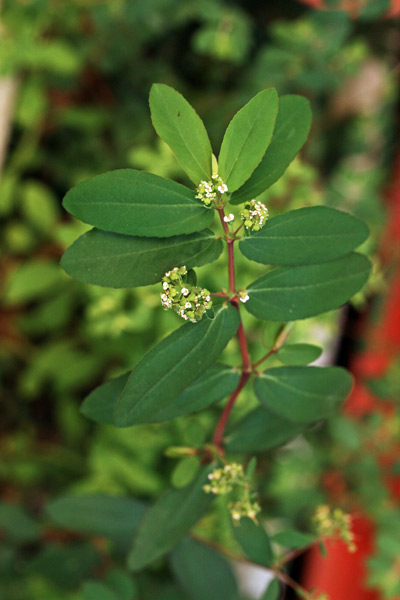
x=261 y=430
x=298 y=354
x=171 y=366
x=121 y=261
x=31 y=281
x=247 y=138
x=202 y=572
x=293 y=539
x=291 y=293
x=137 y=203
x=185 y=470
x=168 y=520
x=178 y=124
x=273 y=591
x=291 y=130
x=216 y=383
x=254 y=541
x=303 y=394
x=112 y=517
x=306 y=236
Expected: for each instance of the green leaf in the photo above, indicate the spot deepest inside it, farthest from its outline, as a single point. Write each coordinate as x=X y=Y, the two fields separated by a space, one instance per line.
x=293 y=539
x=291 y=130
x=65 y=566
x=121 y=261
x=171 y=366
x=202 y=572
x=17 y=525
x=216 y=383
x=178 y=124
x=112 y=517
x=32 y=281
x=298 y=354
x=137 y=203
x=95 y=590
x=168 y=520
x=261 y=430
x=306 y=236
x=121 y=584
x=185 y=470
x=247 y=138
x=254 y=541
x=303 y=394
x=291 y=293
x=273 y=591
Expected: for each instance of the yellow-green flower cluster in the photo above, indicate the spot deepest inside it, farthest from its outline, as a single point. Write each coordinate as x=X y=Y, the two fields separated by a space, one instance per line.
x=254 y=215
x=209 y=191
x=188 y=301
x=232 y=479
x=335 y=523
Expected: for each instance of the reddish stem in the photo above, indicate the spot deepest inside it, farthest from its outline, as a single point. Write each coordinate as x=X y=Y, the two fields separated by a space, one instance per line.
x=220 y=428
x=269 y=353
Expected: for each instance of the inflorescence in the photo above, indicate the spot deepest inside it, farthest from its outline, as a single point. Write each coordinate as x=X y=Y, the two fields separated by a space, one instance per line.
x=254 y=215
x=210 y=192
x=188 y=301
x=335 y=523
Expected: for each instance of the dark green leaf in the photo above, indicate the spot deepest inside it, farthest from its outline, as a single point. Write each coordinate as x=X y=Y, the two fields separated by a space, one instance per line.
x=65 y=566
x=202 y=572
x=112 y=517
x=303 y=394
x=168 y=520
x=247 y=138
x=254 y=541
x=291 y=293
x=17 y=525
x=293 y=539
x=273 y=591
x=291 y=130
x=306 y=236
x=122 y=261
x=137 y=203
x=121 y=584
x=261 y=430
x=178 y=124
x=95 y=590
x=171 y=366
x=216 y=383
x=298 y=354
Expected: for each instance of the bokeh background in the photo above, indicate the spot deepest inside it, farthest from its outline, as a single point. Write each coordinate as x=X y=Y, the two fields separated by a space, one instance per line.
x=74 y=84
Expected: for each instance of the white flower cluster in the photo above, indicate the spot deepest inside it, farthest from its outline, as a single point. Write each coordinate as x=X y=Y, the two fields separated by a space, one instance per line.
x=188 y=301
x=207 y=191
x=254 y=215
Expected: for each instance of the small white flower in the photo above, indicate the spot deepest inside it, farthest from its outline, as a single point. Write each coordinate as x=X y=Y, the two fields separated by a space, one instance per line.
x=245 y=298
x=229 y=218
x=165 y=285
x=222 y=188
x=188 y=305
x=185 y=291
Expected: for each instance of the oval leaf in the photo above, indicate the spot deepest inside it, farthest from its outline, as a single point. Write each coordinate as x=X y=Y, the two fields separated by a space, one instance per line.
x=171 y=366
x=254 y=541
x=306 y=236
x=178 y=124
x=261 y=430
x=216 y=383
x=303 y=394
x=202 y=572
x=247 y=138
x=121 y=261
x=293 y=539
x=298 y=354
x=291 y=293
x=291 y=131
x=137 y=203
x=168 y=520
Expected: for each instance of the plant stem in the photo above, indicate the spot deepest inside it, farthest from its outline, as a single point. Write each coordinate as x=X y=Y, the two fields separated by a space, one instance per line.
x=280 y=340
x=220 y=428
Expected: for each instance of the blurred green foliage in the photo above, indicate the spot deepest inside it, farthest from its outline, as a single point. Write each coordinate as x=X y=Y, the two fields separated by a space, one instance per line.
x=84 y=69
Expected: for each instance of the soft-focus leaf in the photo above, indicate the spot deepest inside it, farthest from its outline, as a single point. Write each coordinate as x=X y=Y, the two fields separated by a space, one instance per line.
x=185 y=470
x=171 y=366
x=178 y=124
x=291 y=293
x=273 y=591
x=122 y=261
x=291 y=130
x=303 y=394
x=65 y=566
x=216 y=383
x=121 y=584
x=32 y=281
x=254 y=541
x=95 y=590
x=298 y=354
x=203 y=572
x=168 y=520
x=293 y=539
x=17 y=525
x=112 y=517
x=247 y=138
x=137 y=203
x=261 y=430
x=306 y=236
